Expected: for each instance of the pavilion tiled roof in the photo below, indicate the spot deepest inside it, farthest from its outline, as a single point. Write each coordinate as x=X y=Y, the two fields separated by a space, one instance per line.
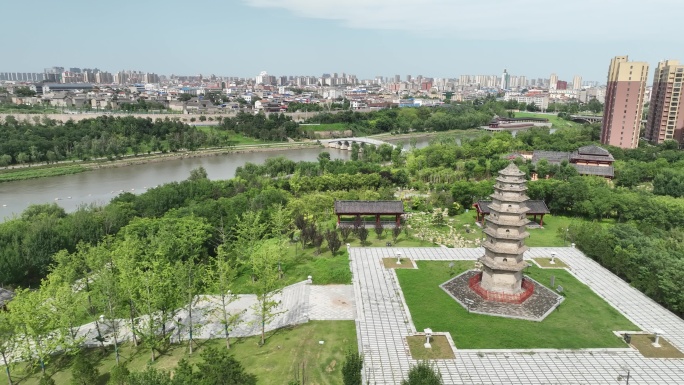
x=535 y=206
x=369 y=207
x=604 y=171
x=553 y=157
x=593 y=150
x=594 y=153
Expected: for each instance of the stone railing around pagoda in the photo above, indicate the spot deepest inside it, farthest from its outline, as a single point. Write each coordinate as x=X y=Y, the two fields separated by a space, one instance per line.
x=518 y=298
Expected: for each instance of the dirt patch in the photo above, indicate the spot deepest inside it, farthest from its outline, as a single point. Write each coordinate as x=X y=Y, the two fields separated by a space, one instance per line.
x=644 y=344
x=545 y=263
x=391 y=263
x=441 y=349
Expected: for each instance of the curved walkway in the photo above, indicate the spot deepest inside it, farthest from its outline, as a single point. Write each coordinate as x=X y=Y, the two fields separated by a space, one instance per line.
x=383 y=322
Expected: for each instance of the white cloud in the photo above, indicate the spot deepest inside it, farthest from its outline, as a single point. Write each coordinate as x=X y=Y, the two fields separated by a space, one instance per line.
x=537 y=20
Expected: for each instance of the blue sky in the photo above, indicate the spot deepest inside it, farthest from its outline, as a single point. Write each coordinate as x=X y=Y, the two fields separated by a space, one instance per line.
x=439 y=38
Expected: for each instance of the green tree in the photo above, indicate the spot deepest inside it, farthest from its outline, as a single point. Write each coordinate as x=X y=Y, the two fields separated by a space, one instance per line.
x=83 y=371
x=198 y=174
x=351 y=369
x=119 y=375
x=218 y=367
x=35 y=318
x=8 y=342
x=333 y=240
x=221 y=276
x=423 y=374
x=362 y=233
x=5 y=160
x=150 y=376
x=264 y=263
x=248 y=231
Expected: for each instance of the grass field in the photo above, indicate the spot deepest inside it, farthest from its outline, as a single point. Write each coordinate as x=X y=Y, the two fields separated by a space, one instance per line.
x=326 y=127
x=325 y=268
x=273 y=363
x=554 y=119
x=23 y=173
x=584 y=320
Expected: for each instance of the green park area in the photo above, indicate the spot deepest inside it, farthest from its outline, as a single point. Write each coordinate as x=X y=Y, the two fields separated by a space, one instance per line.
x=553 y=119
x=286 y=352
x=325 y=127
x=583 y=320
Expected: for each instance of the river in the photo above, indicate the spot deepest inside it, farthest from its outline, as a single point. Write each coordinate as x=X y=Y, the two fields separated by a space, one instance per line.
x=100 y=186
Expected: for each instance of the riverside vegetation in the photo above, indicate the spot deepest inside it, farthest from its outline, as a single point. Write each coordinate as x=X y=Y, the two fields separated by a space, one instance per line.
x=150 y=253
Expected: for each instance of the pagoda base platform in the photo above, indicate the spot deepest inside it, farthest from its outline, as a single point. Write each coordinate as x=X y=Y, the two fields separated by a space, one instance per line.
x=536 y=307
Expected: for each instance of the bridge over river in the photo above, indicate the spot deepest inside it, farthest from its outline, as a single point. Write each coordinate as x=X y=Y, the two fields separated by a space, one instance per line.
x=347 y=143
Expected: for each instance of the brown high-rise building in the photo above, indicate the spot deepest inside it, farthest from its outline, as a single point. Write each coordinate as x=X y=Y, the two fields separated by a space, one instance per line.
x=624 y=102
x=666 y=113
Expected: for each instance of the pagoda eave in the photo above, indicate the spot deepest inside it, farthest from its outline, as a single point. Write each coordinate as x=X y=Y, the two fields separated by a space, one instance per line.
x=493 y=265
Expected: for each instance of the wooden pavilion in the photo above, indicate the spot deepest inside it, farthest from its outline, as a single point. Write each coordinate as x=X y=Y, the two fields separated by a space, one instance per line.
x=535 y=208
x=377 y=209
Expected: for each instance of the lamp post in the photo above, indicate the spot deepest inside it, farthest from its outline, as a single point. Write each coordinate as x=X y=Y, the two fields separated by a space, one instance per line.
x=398 y=257
x=99 y=333
x=553 y=258
x=657 y=333
x=428 y=334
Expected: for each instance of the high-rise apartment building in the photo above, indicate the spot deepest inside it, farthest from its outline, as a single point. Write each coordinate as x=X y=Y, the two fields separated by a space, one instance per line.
x=577 y=82
x=553 y=81
x=624 y=102
x=505 y=80
x=665 y=113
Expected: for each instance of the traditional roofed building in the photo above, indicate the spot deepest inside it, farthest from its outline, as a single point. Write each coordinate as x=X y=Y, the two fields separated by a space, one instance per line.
x=502 y=263
x=587 y=160
x=359 y=209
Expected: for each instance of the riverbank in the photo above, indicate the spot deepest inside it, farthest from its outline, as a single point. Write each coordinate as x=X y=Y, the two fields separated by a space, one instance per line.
x=74 y=167
x=24 y=172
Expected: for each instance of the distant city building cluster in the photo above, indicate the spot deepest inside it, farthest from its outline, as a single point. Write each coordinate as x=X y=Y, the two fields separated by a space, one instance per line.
x=92 y=88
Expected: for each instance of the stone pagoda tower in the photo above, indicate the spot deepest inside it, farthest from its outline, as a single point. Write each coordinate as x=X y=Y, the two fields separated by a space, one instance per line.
x=505 y=229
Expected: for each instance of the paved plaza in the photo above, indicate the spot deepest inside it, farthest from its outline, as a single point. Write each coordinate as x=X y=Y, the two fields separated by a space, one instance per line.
x=383 y=322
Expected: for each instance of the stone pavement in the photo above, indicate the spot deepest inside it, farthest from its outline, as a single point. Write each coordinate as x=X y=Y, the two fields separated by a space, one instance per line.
x=299 y=303
x=383 y=322
x=332 y=302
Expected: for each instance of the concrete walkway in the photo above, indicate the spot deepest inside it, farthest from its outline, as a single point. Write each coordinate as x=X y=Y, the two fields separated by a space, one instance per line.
x=384 y=322
x=298 y=304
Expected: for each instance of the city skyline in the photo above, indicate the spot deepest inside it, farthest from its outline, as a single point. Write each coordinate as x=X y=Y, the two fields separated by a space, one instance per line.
x=291 y=37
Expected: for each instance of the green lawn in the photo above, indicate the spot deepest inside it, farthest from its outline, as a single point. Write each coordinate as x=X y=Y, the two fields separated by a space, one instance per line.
x=583 y=320
x=553 y=119
x=23 y=173
x=326 y=127
x=273 y=363
x=552 y=233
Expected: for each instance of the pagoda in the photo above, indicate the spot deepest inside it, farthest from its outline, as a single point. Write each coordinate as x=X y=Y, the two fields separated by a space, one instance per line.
x=505 y=229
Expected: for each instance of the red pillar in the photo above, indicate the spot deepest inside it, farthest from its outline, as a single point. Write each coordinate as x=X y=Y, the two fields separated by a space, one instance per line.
x=398 y=221
x=541 y=221
x=377 y=218
x=338 y=220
